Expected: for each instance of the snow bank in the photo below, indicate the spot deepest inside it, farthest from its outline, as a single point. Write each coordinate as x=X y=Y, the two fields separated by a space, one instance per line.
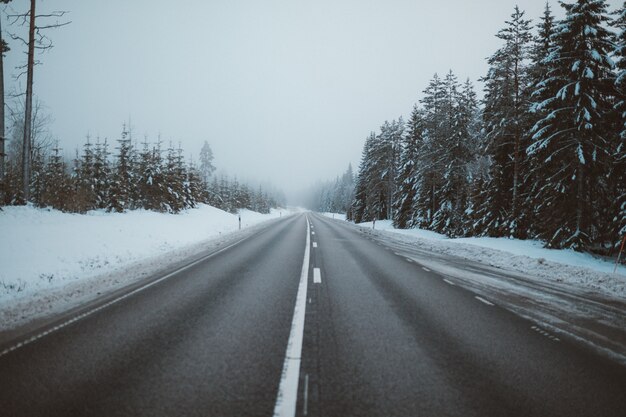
x=528 y=257
x=338 y=216
x=43 y=250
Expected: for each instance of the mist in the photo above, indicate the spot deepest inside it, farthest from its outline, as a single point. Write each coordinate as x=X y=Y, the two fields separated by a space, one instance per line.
x=285 y=92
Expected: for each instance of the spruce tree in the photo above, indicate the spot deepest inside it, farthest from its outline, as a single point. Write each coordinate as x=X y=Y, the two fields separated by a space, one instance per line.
x=506 y=122
x=407 y=178
x=123 y=183
x=572 y=144
x=618 y=176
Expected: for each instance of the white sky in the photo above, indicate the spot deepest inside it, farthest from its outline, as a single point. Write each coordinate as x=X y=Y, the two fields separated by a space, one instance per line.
x=284 y=91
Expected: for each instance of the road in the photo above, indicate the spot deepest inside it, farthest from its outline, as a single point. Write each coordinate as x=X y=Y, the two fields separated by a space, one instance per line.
x=349 y=327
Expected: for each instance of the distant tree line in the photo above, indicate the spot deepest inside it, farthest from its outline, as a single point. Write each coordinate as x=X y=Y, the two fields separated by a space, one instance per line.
x=333 y=196
x=542 y=156
x=125 y=177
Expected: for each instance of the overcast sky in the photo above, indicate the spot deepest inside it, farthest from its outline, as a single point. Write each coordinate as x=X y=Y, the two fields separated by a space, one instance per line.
x=284 y=91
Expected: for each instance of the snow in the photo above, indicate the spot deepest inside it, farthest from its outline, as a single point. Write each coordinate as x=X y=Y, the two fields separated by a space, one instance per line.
x=338 y=216
x=562 y=266
x=58 y=257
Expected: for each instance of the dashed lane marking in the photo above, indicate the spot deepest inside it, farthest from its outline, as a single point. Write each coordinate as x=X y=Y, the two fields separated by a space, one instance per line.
x=425 y=269
x=482 y=300
x=447 y=281
x=315 y=244
x=409 y=260
x=317 y=276
x=544 y=333
x=305 y=406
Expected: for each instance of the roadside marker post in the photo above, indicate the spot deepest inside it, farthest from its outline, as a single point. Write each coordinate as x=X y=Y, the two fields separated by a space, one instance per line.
x=619 y=255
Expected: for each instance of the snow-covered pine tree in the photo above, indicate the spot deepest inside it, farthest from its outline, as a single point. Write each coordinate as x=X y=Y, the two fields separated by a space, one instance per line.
x=429 y=156
x=195 y=187
x=572 y=144
x=123 y=183
x=541 y=90
x=407 y=178
x=206 y=162
x=101 y=174
x=506 y=122
x=38 y=176
x=83 y=181
x=382 y=167
x=459 y=154
x=359 y=209
x=618 y=176
x=174 y=177
x=150 y=181
x=57 y=193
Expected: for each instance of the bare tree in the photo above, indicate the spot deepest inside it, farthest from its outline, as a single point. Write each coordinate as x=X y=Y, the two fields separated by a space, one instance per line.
x=36 y=40
x=4 y=47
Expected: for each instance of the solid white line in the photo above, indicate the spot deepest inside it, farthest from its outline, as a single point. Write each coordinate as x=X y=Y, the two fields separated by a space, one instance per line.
x=317 y=276
x=482 y=300
x=449 y=282
x=315 y=244
x=114 y=301
x=288 y=388
x=425 y=269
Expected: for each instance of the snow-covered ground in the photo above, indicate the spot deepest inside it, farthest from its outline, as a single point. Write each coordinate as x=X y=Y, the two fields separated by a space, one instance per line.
x=50 y=260
x=529 y=257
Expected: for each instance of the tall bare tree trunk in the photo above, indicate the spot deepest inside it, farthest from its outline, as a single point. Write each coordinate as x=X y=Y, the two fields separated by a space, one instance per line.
x=2 y=139
x=28 y=106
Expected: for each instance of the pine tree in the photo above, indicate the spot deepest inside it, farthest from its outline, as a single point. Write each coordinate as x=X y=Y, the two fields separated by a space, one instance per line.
x=123 y=183
x=58 y=188
x=618 y=176
x=359 y=209
x=407 y=178
x=101 y=174
x=506 y=123
x=541 y=90
x=206 y=162
x=572 y=144
x=429 y=156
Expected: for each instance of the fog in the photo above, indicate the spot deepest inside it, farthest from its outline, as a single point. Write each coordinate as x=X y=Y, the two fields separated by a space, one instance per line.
x=284 y=91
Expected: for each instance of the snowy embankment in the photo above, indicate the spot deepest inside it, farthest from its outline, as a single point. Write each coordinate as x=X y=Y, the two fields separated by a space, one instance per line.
x=52 y=260
x=529 y=257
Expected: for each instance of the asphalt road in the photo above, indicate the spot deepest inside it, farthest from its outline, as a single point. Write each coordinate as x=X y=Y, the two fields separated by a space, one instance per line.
x=383 y=336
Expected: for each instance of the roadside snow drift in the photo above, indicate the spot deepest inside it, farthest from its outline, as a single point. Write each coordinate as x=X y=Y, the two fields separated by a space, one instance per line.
x=44 y=250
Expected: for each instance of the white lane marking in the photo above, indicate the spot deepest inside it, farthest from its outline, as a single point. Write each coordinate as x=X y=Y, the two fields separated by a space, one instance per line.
x=312 y=233
x=114 y=301
x=447 y=281
x=288 y=388
x=546 y=334
x=409 y=260
x=305 y=407
x=315 y=244
x=482 y=300
x=317 y=276
x=397 y=254
x=425 y=269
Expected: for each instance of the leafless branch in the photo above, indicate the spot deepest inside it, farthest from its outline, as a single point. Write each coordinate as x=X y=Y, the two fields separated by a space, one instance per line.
x=54 y=26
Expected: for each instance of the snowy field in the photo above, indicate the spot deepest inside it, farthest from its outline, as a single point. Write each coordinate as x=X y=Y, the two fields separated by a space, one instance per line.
x=528 y=257
x=51 y=260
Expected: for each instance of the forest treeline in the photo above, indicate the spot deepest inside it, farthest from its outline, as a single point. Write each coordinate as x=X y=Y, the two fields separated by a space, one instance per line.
x=128 y=176
x=542 y=155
